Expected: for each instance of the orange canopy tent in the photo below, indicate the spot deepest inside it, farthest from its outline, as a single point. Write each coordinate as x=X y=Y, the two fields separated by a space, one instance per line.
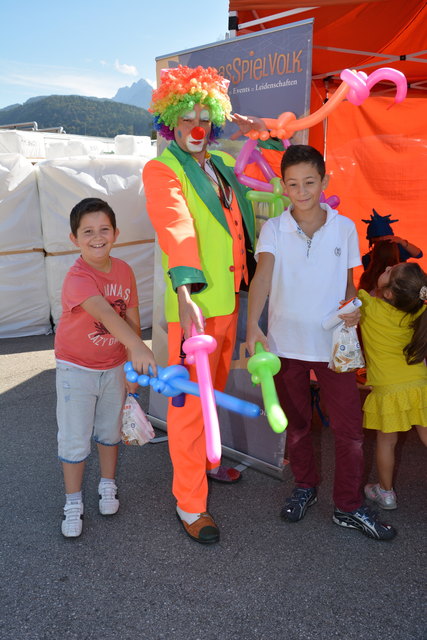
x=376 y=156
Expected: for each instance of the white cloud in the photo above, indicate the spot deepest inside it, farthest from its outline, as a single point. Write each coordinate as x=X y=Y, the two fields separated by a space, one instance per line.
x=126 y=69
x=35 y=80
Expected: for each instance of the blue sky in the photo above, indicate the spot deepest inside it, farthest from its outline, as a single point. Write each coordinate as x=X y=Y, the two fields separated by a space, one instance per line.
x=94 y=47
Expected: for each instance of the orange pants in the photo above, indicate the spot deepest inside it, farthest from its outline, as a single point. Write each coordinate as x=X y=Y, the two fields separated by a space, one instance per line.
x=186 y=435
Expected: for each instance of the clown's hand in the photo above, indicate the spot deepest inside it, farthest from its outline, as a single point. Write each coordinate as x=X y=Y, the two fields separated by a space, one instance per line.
x=246 y=124
x=189 y=313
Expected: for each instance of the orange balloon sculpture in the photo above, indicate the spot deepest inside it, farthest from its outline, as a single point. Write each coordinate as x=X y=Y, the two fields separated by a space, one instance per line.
x=355 y=87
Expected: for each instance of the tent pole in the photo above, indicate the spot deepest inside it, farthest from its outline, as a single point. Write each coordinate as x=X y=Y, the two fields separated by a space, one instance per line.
x=325 y=122
x=233 y=24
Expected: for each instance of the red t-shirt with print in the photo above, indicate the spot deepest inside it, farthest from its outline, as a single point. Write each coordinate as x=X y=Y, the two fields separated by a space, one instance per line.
x=80 y=338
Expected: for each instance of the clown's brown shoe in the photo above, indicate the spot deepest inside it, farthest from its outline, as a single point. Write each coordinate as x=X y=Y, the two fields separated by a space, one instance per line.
x=203 y=530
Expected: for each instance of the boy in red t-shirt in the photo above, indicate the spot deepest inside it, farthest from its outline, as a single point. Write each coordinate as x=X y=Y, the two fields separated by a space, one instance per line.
x=98 y=331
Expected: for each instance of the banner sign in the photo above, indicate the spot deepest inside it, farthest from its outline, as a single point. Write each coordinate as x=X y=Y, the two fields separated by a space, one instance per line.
x=269 y=72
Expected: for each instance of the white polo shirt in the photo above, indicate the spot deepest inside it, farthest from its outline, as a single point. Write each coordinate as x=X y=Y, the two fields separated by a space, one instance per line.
x=309 y=281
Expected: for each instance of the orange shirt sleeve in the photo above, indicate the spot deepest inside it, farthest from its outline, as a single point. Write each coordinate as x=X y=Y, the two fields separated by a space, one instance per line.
x=170 y=216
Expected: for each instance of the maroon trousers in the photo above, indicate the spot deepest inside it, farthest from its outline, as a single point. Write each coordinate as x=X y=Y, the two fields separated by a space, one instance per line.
x=341 y=398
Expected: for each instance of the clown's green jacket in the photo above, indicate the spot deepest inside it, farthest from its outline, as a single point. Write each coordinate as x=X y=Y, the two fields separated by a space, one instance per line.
x=192 y=228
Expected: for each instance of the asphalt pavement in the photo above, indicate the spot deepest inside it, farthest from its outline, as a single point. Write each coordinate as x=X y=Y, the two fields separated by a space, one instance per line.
x=136 y=575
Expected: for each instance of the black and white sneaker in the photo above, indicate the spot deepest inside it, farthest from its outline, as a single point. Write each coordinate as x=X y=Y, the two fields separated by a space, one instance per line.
x=72 y=524
x=366 y=520
x=297 y=504
x=108 y=498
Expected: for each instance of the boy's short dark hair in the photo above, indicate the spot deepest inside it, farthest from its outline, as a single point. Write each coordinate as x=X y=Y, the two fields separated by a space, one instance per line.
x=298 y=153
x=90 y=205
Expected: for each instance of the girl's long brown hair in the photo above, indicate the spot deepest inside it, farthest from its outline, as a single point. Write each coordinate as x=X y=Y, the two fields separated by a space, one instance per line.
x=405 y=285
x=383 y=254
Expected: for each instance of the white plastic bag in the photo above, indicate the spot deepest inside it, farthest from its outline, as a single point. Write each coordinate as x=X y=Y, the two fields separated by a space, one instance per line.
x=136 y=428
x=346 y=350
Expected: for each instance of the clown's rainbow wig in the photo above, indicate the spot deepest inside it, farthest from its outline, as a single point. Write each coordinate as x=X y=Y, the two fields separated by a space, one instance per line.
x=180 y=89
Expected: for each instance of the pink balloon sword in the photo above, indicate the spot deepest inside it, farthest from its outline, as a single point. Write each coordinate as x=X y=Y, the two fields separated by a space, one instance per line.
x=197 y=349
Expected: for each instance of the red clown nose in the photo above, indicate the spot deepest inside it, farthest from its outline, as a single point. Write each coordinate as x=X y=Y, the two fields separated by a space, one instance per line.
x=197 y=133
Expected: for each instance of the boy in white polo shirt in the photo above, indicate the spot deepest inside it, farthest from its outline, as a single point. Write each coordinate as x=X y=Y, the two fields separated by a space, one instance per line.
x=305 y=265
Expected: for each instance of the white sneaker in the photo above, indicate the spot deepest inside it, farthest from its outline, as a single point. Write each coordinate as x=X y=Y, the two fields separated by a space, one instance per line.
x=72 y=523
x=381 y=497
x=108 y=499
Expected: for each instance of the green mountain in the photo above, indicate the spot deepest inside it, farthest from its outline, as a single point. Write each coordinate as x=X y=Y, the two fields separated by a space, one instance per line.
x=81 y=116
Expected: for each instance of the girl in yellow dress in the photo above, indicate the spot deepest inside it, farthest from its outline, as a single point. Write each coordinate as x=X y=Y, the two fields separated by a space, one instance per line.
x=394 y=333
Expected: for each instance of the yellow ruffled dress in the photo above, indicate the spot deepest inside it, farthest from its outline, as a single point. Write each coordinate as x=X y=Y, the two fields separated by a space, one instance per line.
x=398 y=398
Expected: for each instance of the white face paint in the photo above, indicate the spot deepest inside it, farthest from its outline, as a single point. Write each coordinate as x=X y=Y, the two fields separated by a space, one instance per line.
x=194 y=146
x=190 y=115
x=193 y=130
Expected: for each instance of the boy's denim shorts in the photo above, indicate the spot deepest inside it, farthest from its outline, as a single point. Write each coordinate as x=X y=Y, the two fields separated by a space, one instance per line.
x=88 y=403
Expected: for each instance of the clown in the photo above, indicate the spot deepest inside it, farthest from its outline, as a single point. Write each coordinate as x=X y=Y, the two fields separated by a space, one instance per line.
x=206 y=230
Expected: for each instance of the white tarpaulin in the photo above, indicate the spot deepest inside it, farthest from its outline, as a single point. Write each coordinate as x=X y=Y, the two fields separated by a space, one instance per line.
x=133 y=145
x=117 y=179
x=27 y=143
x=20 y=225
x=35 y=204
x=40 y=145
x=62 y=145
x=23 y=291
